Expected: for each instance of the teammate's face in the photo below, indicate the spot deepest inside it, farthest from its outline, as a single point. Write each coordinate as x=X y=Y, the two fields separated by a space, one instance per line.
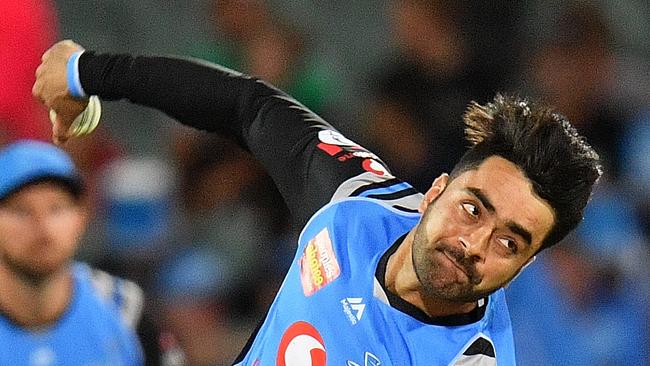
x=40 y=226
x=478 y=231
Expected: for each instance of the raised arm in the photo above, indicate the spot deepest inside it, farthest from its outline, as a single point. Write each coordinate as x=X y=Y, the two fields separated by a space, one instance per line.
x=308 y=160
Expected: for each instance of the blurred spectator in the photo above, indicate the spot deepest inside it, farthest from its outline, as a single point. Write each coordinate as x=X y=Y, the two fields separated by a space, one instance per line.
x=193 y=285
x=135 y=216
x=636 y=153
x=421 y=94
x=636 y=163
x=250 y=38
x=235 y=219
x=233 y=207
x=27 y=29
x=138 y=206
x=92 y=154
x=584 y=302
x=575 y=70
x=230 y=203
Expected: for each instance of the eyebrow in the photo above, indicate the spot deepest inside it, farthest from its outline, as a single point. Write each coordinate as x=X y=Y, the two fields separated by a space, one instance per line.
x=513 y=226
x=481 y=197
x=521 y=231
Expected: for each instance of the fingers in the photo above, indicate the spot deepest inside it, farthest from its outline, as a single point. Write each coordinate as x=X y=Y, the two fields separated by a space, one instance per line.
x=39 y=70
x=46 y=54
x=37 y=89
x=60 y=131
x=65 y=110
x=39 y=93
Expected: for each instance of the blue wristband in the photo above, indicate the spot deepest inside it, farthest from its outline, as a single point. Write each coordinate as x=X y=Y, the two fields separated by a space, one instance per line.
x=72 y=76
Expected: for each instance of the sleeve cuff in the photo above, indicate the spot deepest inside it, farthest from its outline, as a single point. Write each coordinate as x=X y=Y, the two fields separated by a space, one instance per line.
x=74 y=83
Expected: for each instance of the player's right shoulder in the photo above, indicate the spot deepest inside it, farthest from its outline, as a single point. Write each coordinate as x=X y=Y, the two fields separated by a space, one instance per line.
x=368 y=201
x=384 y=188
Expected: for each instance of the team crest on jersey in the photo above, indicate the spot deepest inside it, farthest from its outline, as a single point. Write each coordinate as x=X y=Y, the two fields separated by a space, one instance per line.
x=318 y=264
x=301 y=345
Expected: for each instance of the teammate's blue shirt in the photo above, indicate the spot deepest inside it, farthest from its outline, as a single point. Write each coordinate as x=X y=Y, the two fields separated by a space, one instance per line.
x=92 y=332
x=331 y=309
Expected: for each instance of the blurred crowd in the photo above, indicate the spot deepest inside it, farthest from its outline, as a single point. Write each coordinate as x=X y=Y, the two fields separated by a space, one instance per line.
x=199 y=225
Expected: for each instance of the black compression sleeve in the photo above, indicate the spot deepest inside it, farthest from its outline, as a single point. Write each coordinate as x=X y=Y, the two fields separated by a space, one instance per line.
x=276 y=129
x=205 y=96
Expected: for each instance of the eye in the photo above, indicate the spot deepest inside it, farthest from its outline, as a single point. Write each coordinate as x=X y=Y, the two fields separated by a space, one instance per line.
x=471 y=209
x=19 y=212
x=509 y=244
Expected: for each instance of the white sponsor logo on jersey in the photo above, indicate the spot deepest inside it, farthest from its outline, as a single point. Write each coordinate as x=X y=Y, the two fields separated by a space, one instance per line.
x=369 y=360
x=335 y=138
x=353 y=307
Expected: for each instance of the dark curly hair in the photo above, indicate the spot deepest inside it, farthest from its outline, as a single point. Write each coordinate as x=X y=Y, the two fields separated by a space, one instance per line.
x=560 y=164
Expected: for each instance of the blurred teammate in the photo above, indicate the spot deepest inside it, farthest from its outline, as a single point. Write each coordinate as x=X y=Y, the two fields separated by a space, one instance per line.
x=383 y=275
x=53 y=310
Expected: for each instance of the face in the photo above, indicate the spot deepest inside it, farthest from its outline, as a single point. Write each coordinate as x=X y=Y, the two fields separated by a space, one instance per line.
x=40 y=227
x=478 y=231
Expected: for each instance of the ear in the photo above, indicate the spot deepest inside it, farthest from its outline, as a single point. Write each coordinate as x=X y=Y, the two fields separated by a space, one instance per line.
x=438 y=185
x=528 y=263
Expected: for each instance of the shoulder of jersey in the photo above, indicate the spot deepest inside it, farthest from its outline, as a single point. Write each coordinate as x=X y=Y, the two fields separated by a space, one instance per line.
x=388 y=189
x=126 y=295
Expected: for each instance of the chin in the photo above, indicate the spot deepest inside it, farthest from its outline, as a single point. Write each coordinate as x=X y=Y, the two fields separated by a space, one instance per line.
x=454 y=292
x=37 y=271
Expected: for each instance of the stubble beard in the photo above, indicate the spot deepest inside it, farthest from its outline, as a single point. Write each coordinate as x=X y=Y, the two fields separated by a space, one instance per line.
x=32 y=274
x=436 y=281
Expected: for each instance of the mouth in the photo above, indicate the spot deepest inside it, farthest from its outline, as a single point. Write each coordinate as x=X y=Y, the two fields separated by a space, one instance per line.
x=456 y=264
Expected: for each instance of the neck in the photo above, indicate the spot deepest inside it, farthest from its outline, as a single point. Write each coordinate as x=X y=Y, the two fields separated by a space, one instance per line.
x=30 y=302
x=403 y=282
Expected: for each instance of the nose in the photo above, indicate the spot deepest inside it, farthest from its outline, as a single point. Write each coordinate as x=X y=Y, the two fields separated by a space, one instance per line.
x=42 y=226
x=476 y=244
x=39 y=229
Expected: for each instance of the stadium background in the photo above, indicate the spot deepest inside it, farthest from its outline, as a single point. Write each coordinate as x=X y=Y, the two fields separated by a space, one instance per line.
x=196 y=222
